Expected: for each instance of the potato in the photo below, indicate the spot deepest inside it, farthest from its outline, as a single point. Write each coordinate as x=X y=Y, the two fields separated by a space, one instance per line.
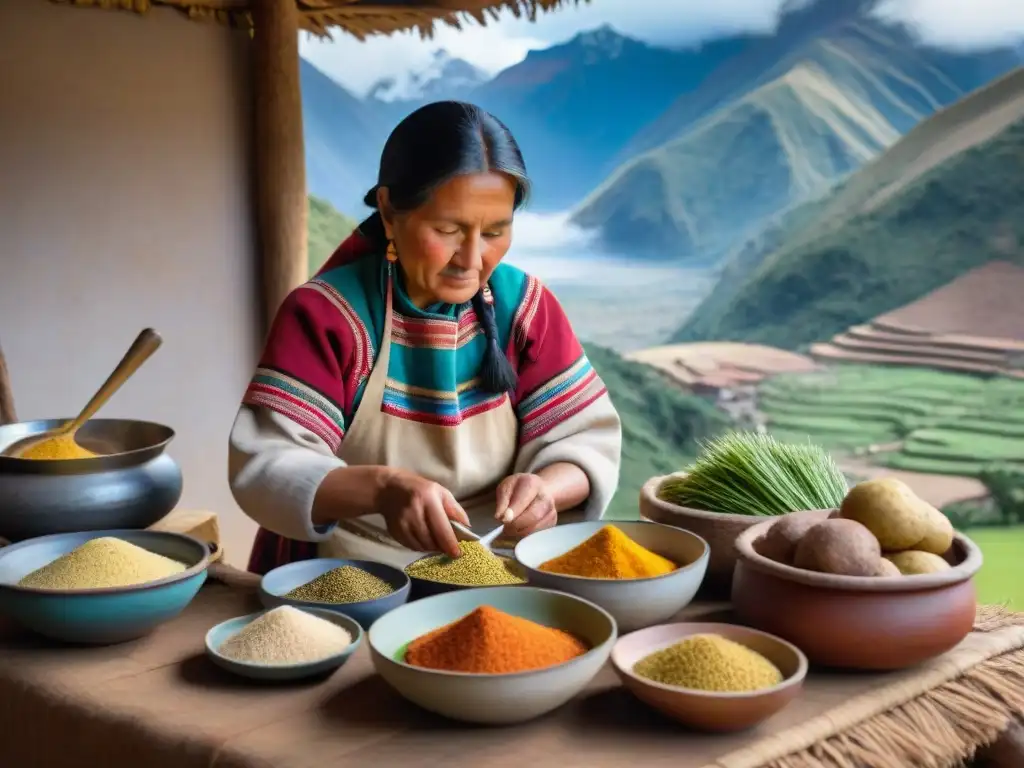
x=939 y=538
x=888 y=568
x=843 y=547
x=779 y=543
x=914 y=562
x=890 y=510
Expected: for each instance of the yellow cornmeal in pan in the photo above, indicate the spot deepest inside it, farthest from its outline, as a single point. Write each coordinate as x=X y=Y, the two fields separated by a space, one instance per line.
x=103 y=562
x=59 y=448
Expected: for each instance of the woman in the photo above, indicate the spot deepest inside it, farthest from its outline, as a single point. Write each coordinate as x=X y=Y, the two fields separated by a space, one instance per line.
x=417 y=379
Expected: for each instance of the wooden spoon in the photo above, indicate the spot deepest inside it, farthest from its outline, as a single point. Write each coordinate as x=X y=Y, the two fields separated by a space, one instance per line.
x=144 y=345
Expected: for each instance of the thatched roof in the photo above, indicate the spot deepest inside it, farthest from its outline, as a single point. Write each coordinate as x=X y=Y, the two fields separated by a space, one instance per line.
x=361 y=18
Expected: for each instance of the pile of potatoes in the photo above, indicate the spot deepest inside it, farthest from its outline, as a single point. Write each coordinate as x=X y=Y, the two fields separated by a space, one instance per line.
x=882 y=528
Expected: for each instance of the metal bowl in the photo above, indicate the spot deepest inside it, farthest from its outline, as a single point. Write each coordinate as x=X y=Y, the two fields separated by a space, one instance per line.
x=132 y=484
x=428 y=587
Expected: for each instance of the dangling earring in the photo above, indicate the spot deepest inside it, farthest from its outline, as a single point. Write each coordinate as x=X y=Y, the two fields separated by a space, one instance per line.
x=392 y=253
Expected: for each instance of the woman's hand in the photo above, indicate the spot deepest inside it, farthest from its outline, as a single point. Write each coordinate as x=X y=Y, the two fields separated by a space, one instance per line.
x=525 y=505
x=418 y=512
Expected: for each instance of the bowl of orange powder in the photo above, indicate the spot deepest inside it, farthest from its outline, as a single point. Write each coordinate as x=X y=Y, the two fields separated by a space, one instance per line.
x=641 y=573
x=493 y=656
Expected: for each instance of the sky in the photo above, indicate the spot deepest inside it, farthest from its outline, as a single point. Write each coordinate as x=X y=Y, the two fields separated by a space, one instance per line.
x=957 y=24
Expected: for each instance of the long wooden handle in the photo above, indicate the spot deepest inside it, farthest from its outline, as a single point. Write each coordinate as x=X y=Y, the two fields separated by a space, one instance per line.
x=145 y=344
x=7 y=412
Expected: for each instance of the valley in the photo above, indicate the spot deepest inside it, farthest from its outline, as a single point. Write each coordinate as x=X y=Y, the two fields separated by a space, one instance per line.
x=822 y=189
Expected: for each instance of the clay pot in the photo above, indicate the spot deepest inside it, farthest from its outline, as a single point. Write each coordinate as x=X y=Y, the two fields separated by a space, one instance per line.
x=856 y=622
x=717 y=529
x=711 y=711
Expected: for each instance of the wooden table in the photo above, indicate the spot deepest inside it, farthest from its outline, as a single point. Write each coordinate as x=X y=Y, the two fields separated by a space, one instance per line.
x=159 y=703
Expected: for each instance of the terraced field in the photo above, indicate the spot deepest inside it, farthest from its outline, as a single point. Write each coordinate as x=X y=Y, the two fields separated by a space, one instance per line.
x=934 y=421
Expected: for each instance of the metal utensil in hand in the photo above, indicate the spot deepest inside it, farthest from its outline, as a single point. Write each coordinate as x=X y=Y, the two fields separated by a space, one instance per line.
x=145 y=344
x=465 y=534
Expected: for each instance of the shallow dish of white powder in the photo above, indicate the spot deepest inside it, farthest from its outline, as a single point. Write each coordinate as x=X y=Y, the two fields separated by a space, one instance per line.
x=284 y=643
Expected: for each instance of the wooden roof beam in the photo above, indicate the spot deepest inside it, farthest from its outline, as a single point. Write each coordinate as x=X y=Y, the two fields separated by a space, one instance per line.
x=281 y=203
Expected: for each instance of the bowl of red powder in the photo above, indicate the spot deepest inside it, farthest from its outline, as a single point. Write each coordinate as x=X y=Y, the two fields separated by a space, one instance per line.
x=494 y=656
x=641 y=573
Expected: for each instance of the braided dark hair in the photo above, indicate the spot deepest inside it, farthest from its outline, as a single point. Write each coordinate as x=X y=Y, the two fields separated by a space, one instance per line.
x=428 y=148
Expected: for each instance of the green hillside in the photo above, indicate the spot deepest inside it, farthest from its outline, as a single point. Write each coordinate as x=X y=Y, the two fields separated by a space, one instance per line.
x=979 y=116
x=892 y=233
x=327 y=228
x=782 y=143
x=660 y=424
x=836 y=103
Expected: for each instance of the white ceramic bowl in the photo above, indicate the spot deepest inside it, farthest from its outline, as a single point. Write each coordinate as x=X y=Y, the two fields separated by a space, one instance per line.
x=491 y=699
x=635 y=603
x=222 y=632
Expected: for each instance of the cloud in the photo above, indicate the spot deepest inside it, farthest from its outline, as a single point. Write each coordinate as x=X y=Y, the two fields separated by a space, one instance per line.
x=548 y=232
x=956 y=24
x=959 y=24
x=358 y=65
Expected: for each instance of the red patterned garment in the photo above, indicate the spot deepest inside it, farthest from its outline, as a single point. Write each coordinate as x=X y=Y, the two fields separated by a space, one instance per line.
x=325 y=339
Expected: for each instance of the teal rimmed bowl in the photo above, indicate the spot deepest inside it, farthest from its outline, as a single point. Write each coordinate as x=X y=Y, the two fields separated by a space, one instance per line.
x=99 y=616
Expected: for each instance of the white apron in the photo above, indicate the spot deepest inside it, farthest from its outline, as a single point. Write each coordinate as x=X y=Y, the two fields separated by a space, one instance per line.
x=469 y=460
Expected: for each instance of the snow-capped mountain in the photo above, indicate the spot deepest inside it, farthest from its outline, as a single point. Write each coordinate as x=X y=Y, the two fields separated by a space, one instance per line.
x=444 y=77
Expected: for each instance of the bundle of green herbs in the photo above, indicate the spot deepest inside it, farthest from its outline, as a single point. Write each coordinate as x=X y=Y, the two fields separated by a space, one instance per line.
x=747 y=473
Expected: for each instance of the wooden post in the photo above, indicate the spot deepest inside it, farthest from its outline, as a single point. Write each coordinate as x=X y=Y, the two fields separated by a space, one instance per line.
x=7 y=412
x=281 y=204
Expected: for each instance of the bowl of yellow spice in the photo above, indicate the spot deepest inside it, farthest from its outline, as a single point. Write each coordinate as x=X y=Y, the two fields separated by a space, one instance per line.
x=361 y=589
x=641 y=573
x=710 y=677
x=100 y=587
x=112 y=474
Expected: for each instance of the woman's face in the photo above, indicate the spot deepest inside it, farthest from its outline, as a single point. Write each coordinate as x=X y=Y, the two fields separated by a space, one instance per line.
x=449 y=246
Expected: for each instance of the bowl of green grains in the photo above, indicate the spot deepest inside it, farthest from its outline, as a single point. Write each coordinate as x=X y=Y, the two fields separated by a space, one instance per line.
x=476 y=567
x=284 y=643
x=100 y=587
x=709 y=676
x=494 y=656
x=362 y=589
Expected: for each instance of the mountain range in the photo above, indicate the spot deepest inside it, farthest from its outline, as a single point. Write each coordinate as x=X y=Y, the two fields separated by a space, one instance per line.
x=780 y=124
x=944 y=199
x=676 y=153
